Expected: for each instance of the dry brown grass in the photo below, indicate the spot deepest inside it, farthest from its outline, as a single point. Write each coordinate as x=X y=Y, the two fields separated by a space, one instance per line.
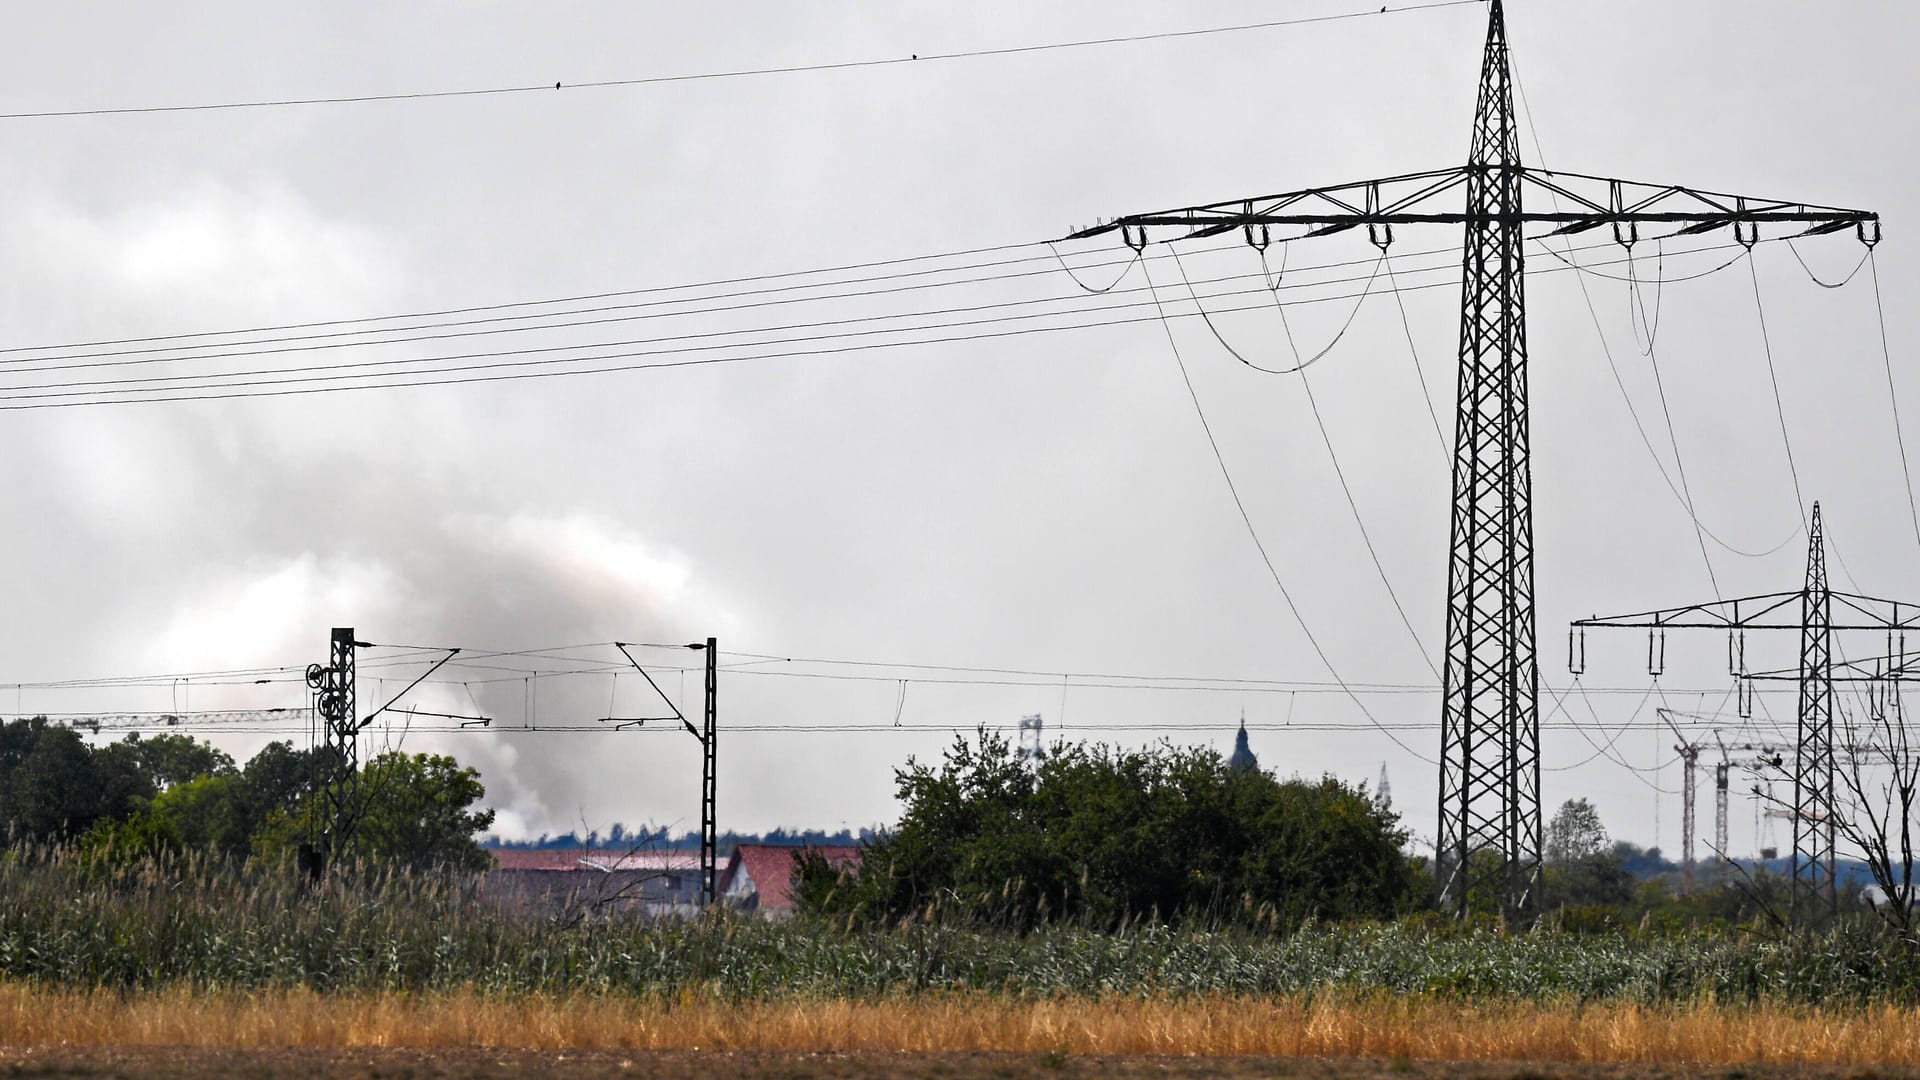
x=1416 y=1029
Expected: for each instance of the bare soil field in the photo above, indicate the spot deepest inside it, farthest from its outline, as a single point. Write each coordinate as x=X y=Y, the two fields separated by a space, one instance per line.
x=182 y=1063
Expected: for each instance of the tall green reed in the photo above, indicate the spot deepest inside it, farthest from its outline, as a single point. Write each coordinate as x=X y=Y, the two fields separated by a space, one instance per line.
x=76 y=920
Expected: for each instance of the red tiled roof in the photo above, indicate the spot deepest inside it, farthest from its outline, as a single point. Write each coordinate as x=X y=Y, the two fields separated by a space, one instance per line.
x=549 y=859
x=601 y=859
x=772 y=866
x=642 y=860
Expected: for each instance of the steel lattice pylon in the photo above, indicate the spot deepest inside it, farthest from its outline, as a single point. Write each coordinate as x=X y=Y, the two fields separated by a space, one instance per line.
x=1813 y=806
x=1814 y=810
x=1489 y=726
x=1489 y=843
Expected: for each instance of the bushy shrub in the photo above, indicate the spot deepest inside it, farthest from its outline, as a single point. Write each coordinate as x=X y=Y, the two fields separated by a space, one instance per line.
x=1101 y=836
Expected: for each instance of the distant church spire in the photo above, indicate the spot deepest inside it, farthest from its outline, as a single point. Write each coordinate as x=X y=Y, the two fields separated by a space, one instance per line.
x=1242 y=757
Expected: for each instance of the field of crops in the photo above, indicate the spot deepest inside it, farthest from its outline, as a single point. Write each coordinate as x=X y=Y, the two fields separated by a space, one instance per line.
x=165 y=958
x=1377 y=1028
x=70 y=923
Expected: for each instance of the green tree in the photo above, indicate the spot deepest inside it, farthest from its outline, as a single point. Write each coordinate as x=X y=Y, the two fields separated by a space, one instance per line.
x=416 y=811
x=279 y=776
x=1584 y=869
x=210 y=813
x=1575 y=832
x=52 y=785
x=1102 y=835
x=170 y=759
x=122 y=783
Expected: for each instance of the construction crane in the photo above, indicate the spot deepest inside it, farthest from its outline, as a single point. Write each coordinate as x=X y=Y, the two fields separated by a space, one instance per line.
x=1690 y=756
x=1768 y=757
x=1816 y=613
x=143 y=722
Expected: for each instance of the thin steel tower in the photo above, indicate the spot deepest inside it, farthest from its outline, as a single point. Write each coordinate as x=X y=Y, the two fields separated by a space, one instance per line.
x=1490 y=835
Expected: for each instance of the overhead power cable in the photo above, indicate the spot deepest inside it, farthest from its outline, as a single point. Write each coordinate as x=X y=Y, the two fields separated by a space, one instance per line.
x=1679 y=462
x=1076 y=304
x=235 y=722
x=1683 y=492
x=369 y=374
x=737 y=73
x=1817 y=280
x=1773 y=379
x=1893 y=395
x=511 y=365
x=1254 y=534
x=1300 y=365
x=591 y=659
x=1413 y=353
x=579 y=298
x=1600 y=750
x=78 y=356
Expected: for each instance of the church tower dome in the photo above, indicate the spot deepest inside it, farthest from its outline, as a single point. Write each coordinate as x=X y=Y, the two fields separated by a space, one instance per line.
x=1242 y=757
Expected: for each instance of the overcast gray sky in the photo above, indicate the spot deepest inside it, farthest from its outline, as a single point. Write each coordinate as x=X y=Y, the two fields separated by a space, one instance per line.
x=1046 y=502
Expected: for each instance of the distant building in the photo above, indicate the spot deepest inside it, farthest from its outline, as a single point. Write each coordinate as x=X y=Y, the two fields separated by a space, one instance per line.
x=560 y=879
x=1242 y=756
x=759 y=877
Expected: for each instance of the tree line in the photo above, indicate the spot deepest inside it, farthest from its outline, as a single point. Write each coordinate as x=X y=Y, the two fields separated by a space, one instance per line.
x=1088 y=834
x=170 y=792
x=1103 y=836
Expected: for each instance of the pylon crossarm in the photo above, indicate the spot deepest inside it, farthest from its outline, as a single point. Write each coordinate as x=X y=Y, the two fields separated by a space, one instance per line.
x=1745 y=613
x=1392 y=200
x=1881 y=614
x=1588 y=202
x=1869 y=669
x=1789 y=675
x=1579 y=202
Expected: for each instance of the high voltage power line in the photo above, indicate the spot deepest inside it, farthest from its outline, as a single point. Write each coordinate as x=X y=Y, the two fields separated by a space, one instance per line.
x=865 y=671
x=67 y=357
x=543 y=88
x=509 y=364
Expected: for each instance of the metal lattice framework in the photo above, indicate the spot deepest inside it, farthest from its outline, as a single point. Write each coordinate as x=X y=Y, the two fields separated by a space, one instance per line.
x=1689 y=751
x=1813 y=804
x=335 y=699
x=1490 y=723
x=1815 y=612
x=1490 y=834
x=337 y=783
